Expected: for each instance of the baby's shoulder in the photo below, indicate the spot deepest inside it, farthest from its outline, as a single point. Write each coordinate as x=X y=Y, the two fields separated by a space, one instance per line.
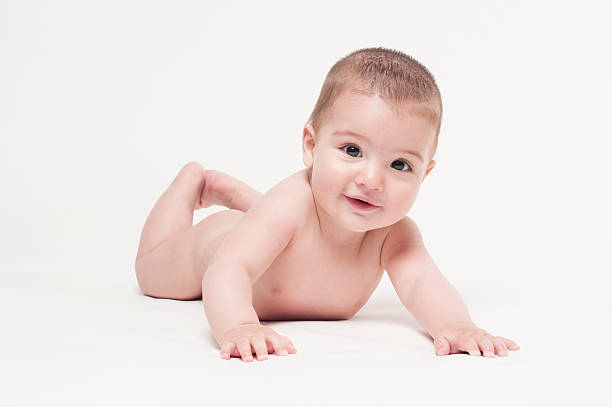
x=403 y=232
x=296 y=189
x=298 y=180
x=403 y=238
x=293 y=194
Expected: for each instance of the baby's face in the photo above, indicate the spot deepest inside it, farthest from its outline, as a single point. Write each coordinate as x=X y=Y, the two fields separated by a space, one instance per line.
x=367 y=151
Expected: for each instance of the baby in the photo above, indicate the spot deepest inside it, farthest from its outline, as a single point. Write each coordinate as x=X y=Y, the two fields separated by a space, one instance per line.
x=315 y=246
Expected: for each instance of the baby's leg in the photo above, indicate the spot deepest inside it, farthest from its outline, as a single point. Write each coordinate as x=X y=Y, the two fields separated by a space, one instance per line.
x=225 y=190
x=164 y=262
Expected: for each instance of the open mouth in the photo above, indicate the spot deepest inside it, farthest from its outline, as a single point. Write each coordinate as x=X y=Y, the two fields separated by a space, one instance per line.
x=361 y=205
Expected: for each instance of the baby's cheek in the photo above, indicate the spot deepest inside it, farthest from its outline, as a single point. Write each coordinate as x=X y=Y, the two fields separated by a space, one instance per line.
x=407 y=198
x=324 y=182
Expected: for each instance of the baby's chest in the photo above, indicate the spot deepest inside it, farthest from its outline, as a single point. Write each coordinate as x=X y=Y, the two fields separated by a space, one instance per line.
x=308 y=282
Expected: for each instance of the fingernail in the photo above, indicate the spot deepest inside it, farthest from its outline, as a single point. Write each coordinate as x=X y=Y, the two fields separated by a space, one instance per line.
x=283 y=352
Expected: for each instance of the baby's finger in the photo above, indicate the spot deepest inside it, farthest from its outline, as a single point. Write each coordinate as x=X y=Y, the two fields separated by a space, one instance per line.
x=226 y=349
x=486 y=346
x=259 y=343
x=441 y=345
x=244 y=347
x=289 y=344
x=470 y=346
x=509 y=343
x=500 y=346
x=278 y=344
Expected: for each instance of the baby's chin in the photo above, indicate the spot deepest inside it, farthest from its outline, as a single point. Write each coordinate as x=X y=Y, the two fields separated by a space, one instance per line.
x=361 y=227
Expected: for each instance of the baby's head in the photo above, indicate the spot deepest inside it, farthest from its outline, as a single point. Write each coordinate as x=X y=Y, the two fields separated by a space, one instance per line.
x=400 y=80
x=372 y=134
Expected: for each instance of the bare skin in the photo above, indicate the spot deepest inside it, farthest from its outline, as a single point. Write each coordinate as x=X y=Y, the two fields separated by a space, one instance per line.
x=316 y=245
x=173 y=266
x=274 y=295
x=224 y=190
x=169 y=227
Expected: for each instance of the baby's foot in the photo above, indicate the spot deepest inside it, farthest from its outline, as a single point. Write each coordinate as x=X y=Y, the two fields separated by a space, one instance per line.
x=216 y=189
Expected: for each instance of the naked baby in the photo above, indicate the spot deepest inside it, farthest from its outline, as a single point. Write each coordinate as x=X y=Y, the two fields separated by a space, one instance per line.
x=316 y=245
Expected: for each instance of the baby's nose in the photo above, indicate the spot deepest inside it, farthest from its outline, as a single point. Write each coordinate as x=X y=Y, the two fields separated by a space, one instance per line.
x=371 y=179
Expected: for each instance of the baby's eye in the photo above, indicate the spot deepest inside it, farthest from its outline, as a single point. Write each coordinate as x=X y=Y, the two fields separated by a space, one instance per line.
x=350 y=150
x=401 y=165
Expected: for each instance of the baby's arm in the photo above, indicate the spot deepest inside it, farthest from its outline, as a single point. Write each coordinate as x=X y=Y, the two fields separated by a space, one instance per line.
x=241 y=259
x=431 y=299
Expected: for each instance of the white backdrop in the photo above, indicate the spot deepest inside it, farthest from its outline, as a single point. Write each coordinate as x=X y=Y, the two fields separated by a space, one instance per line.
x=101 y=103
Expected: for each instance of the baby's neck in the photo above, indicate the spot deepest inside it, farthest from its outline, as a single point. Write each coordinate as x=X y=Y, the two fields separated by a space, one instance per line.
x=336 y=237
x=331 y=233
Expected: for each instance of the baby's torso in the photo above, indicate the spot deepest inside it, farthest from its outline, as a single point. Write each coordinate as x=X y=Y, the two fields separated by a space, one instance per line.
x=311 y=281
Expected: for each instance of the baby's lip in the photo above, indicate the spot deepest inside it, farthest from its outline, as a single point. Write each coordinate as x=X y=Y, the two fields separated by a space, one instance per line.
x=362 y=198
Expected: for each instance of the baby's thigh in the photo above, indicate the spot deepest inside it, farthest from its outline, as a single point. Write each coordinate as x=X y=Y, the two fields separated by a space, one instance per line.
x=174 y=269
x=209 y=233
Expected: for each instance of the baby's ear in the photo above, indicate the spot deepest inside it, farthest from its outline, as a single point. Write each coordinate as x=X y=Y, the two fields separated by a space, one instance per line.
x=308 y=144
x=432 y=163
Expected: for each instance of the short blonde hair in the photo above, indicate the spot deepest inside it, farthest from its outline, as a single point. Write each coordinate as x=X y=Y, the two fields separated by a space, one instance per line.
x=394 y=76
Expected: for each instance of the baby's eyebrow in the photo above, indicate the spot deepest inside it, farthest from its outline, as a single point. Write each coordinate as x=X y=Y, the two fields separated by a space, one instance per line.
x=352 y=133
x=414 y=153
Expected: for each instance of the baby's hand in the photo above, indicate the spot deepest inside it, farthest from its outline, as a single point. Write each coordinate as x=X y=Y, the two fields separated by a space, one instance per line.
x=468 y=338
x=238 y=341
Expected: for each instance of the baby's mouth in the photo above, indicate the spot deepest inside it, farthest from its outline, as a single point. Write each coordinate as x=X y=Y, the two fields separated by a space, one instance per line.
x=359 y=204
